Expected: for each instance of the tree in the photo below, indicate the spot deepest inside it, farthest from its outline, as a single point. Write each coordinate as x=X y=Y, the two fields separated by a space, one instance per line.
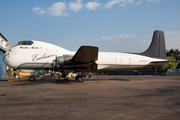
x=174 y=53
x=172 y=65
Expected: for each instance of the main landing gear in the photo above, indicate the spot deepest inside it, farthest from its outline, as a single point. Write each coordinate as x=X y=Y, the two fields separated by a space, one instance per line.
x=80 y=77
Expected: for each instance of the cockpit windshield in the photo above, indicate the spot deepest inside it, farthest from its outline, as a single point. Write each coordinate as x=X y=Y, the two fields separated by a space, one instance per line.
x=27 y=42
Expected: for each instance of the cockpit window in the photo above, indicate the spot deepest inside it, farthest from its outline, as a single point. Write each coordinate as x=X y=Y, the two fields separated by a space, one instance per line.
x=27 y=42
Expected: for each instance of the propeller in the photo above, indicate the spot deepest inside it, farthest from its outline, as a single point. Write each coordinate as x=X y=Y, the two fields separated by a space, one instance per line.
x=54 y=65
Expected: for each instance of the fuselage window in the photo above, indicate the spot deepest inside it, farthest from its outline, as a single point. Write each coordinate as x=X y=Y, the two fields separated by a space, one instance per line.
x=30 y=42
x=21 y=43
x=27 y=42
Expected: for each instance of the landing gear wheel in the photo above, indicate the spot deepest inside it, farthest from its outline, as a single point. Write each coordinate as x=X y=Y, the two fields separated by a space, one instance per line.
x=79 y=78
x=32 y=78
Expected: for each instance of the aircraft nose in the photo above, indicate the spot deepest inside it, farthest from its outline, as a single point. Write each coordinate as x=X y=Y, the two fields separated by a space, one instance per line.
x=6 y=58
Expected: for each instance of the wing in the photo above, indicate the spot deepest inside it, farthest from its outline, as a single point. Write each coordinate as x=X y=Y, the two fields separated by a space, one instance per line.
x=84 y=59
x=86 y=54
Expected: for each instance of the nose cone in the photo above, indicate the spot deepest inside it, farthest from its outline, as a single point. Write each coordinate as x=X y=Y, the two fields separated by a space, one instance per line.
x=6 y=58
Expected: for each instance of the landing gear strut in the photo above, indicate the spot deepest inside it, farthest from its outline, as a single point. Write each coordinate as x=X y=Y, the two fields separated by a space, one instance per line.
x=64 y=76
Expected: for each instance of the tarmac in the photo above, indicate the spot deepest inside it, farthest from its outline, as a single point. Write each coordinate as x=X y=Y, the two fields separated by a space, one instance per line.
x=97 y=98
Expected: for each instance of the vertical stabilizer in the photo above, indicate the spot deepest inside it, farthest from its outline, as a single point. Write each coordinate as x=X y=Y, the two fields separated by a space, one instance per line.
x=157 y=49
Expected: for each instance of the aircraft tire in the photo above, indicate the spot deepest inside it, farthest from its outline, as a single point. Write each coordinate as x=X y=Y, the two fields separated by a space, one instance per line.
x=79 y=79
x=32 y=78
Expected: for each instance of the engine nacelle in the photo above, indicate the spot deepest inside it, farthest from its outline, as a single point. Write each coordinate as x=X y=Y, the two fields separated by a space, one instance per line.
x=64 y=60
x=61 y=61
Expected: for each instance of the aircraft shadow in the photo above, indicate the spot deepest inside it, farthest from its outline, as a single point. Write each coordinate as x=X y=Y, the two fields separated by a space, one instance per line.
x=61 y=81
x=19 y=83
x=104 y=79
x=3 y=80
x=120 y=79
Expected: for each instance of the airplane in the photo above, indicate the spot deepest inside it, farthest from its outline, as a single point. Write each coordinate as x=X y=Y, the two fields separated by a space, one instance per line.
x=30 y=55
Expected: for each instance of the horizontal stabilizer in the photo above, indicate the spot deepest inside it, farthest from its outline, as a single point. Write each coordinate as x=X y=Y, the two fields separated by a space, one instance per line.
x=161 y=62
x=86 y=54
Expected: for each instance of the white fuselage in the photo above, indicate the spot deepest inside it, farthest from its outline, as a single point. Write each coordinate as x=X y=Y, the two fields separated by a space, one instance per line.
x=40 y=55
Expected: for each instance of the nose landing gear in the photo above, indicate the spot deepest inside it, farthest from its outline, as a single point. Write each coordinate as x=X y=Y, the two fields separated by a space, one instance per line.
x=32 y=78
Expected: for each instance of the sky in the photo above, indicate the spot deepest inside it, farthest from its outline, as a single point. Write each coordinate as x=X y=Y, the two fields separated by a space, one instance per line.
x=111 y=25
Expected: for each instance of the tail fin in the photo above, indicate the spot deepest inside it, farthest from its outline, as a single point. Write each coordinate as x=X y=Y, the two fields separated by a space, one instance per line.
x=157 y=49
